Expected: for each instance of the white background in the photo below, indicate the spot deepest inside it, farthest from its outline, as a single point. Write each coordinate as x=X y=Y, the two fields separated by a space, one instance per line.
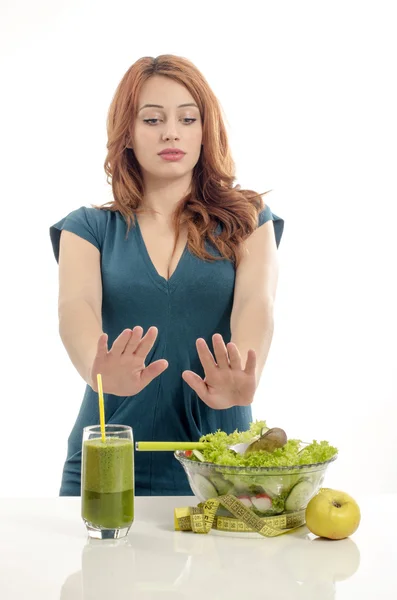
x=308 y=89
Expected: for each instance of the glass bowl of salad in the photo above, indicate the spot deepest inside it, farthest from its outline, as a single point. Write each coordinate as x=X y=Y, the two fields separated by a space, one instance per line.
x=267 y=482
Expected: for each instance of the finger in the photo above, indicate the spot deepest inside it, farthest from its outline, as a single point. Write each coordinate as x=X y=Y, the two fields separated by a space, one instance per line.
x=197 y=384
x=102 y=346
x=220 y=351
x=120 y=343
x=146 y=343
x=206 y=358
x=152 y=371
x=250 y=365
x=134 y=340
x=234 y=356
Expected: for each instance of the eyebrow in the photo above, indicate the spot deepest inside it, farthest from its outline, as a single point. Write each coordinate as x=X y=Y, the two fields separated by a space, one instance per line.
x=159 y=105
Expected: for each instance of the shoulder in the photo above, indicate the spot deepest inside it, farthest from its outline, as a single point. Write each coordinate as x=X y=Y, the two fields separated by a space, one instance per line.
x=85 y=216
x=265 y=215
x=90 y=215
x=87 y=222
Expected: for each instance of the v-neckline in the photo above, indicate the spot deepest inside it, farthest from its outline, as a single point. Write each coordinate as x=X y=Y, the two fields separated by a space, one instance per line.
x=167 y=283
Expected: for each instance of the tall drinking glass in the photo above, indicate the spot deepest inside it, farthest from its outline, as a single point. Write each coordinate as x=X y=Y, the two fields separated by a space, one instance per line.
x=107 y=481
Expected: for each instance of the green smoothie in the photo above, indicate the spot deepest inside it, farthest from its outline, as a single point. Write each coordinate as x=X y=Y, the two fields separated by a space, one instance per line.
x=108 y=482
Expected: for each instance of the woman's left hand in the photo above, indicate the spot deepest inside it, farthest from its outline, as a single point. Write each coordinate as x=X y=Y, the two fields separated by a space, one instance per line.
x=225 y=384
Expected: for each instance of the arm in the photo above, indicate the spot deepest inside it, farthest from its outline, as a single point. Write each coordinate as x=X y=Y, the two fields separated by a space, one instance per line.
x=252 y=326
x=80 y=300
x=80 y=330
x=252 y=321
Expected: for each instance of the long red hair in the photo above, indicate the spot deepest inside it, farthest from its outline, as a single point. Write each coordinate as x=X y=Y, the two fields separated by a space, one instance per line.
x=213 y=197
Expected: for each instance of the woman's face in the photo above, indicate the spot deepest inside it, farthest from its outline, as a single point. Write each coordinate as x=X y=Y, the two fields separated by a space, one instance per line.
x=168 y=125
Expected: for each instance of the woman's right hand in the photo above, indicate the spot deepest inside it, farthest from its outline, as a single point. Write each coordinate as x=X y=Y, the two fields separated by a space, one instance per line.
x=123 y=367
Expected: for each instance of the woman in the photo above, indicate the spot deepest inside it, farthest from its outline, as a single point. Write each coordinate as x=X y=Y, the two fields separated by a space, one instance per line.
x=181 y=254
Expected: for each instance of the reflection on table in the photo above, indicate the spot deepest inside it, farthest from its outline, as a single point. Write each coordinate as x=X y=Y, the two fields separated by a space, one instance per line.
x=186 y=565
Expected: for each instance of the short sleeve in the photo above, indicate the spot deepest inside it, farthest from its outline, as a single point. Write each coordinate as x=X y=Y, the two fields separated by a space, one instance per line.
x=278 y=223
x=84 y=222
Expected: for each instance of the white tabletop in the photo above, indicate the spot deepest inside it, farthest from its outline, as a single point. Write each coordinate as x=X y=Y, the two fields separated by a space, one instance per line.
x=45 y=554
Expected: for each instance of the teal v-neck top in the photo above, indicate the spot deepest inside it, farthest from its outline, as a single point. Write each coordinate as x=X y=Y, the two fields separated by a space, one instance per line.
x=195 y=302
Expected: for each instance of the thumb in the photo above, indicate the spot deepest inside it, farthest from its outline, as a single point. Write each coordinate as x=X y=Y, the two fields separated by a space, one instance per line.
x=196 y=383
x=152 y=371
x=102 y=346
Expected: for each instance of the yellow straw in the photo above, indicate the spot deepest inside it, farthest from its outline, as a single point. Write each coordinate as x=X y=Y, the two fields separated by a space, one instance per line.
x=101 y=407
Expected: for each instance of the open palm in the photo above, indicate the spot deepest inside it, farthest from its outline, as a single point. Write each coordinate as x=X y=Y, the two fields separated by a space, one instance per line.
x=123 y=368
x=226 y=383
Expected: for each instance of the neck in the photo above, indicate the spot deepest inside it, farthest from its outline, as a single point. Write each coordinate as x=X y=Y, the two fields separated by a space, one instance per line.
x=161 y=198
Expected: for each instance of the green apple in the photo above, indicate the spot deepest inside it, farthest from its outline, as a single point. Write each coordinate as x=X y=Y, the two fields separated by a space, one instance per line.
x=332 y=514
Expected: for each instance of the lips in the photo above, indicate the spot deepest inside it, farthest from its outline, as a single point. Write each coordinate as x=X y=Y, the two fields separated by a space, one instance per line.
x=171 y=151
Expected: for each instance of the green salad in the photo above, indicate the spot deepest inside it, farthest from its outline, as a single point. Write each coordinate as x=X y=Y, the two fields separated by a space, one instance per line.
x=264 y=492
x=290 y=454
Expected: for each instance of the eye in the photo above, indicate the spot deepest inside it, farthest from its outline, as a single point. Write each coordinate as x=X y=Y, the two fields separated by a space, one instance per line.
x=186 y=119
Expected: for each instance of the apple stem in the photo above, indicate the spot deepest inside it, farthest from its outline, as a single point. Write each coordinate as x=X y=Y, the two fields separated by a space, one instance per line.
x=336 y=504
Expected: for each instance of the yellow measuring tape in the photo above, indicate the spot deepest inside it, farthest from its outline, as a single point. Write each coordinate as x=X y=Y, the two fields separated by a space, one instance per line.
x=201 y=518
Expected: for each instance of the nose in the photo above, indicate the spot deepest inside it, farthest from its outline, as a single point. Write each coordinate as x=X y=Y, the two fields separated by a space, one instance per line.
x=168 y=136
x=170 y=132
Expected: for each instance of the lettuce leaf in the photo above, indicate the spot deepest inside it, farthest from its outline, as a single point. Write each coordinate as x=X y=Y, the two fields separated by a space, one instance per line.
x=217 y=451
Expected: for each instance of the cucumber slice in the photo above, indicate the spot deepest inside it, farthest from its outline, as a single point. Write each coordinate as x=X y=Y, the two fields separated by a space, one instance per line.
x=273 y=485
x=204 y=487
x=199 y=455
x=222 y=486
x=300 y=495
x=241 y=486
x=276 y=485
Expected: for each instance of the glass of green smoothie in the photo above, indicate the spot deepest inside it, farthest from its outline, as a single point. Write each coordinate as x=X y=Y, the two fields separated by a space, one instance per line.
x=107 y=481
